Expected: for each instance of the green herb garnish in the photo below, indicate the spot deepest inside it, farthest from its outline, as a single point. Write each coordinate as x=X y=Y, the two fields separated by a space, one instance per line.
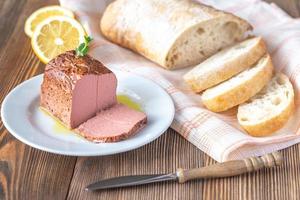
x=83 y=48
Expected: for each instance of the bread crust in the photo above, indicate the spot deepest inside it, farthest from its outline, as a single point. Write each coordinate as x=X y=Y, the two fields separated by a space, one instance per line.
x=227 y=69
x=273 y=123
x=151 y=27
x=240 y=93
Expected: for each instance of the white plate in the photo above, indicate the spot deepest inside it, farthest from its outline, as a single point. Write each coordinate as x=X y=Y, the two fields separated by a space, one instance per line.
x=22 y=117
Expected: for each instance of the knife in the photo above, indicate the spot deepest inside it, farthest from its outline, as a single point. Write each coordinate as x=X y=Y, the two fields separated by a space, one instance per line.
x=225 y=169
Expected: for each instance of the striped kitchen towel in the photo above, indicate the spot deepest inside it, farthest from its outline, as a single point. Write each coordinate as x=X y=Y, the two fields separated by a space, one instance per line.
x=218 y=135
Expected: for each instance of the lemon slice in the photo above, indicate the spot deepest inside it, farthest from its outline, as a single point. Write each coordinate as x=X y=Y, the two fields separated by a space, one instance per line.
x=43 y=13
x=56 y=35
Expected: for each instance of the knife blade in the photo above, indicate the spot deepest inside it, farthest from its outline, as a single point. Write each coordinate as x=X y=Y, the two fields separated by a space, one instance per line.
x=126 y=181
x=226 y=169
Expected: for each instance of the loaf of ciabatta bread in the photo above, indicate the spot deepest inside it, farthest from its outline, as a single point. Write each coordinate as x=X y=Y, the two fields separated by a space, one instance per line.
x=239 y=88
x=172 y=33
x=270 y=109
x=225 y=64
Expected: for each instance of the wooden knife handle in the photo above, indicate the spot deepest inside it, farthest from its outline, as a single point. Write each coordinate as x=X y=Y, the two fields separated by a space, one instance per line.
x=231 y=168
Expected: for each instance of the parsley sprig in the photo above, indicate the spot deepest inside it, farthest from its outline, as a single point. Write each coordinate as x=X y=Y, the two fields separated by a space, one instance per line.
x=83 y=48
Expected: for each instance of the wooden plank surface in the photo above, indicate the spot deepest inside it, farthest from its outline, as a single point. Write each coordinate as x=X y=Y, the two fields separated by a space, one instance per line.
x=290 y=6
x=27 y=173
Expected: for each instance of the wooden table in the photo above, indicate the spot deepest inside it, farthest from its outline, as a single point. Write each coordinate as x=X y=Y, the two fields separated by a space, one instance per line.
x=27 y=173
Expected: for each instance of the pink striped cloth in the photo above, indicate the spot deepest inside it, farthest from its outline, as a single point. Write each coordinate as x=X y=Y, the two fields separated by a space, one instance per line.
x=218 y=135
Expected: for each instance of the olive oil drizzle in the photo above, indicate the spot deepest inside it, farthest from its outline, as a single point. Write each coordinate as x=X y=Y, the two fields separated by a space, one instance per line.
x=126 y=100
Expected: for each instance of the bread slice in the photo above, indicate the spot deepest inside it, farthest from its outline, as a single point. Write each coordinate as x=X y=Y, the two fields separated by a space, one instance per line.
x=172 y=33
x=239 y=88
x=270 y=109
x=225 y=64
